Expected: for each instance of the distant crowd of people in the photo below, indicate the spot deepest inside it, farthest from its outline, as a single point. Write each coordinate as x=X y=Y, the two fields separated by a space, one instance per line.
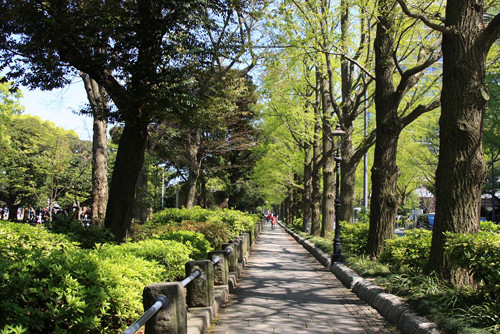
x=43 y=215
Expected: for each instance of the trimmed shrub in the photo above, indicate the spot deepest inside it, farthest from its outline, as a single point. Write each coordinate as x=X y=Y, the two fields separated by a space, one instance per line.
x=195 y=243
x=354 y=237
x=216 y=232
x=49 y=285
x=236 y=221
x=218 y=226
x=478 y=253
x=410 y=251
x=86 y=236
x=171 y=254
x=174 y=216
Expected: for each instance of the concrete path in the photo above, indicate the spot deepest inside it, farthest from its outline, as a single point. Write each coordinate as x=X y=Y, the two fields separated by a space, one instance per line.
x=285 y=290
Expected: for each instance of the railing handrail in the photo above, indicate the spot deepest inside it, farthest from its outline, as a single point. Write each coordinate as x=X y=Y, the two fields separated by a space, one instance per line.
x=160 y=302
x=191 y=277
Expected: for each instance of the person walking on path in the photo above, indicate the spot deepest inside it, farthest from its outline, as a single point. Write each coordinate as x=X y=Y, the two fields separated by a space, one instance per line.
x=273 y=222
x=285 y=290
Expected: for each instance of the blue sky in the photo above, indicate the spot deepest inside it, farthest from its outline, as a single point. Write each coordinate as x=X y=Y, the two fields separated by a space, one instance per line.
x=57 y=106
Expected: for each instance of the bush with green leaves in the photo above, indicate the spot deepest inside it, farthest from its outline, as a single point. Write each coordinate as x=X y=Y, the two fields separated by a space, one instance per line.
x=354 y=237
x=175 y=216
x=86 y=236
x=216 y=232
x=236 y=221
x=195 y=242
x=218 y=226
x=171 y=254
x=478 y=253
x=50 y=285
x=410 y=251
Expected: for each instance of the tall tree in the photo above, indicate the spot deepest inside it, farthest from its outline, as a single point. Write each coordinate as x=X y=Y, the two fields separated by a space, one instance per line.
x=467 y=39
x=148 y=45
x=391 y=119
x=99 y=104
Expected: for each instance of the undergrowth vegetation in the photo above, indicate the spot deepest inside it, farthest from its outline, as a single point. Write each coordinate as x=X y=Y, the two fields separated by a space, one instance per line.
x=402 y=270
x=78 y=281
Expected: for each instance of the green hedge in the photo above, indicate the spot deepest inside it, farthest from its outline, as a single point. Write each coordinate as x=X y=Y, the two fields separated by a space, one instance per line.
x=50 y=285
x=195 y=242
x=410 y=251
x=354 y=237
x=478 y=253
x=235 y=220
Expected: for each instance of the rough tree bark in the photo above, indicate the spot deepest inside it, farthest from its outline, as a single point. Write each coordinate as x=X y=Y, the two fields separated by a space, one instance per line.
x=328 y=197
x=461 y=167
x=141 y=190
x=129 y=161
x=316 y=167
x=99 y=102
x=307 y=189
x=193 y=142
x=389 y=124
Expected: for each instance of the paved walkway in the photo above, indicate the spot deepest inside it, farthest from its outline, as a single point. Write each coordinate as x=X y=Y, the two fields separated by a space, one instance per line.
x=284 y=290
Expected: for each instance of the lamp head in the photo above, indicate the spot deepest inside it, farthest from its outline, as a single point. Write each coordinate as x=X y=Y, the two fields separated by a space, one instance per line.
x=338 y=132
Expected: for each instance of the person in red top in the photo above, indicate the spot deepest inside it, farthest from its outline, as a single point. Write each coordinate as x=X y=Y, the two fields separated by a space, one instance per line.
x=273 y=221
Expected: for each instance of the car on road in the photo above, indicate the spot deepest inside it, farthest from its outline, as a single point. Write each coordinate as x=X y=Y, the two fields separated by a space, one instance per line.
x=426 y=221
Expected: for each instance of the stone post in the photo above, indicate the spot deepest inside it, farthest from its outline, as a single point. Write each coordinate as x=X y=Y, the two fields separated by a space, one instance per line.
x=246 y=244
x=251 y=238
x=239 y=242
x=200 y=291
x=172 y=318
x=221 y=269
x=232 y=258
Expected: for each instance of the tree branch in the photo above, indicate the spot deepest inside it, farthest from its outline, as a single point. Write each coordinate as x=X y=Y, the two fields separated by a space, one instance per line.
x=492 y=32
x=421 y=109
x=425 y=20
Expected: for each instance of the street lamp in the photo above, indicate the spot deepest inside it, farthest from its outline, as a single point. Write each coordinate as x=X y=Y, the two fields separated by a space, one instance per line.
x=337 y=246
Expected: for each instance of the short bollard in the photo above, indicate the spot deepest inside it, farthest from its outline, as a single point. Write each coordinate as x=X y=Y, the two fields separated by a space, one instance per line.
x=200 y=292
x=239 y=241
x=251 y=238
x=221 y=269
x=246 y=245
x=172 y=318
x=232 y=257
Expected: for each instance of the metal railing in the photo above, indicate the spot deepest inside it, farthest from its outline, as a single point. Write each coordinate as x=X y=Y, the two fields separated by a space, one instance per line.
x=191 y=277
x=160 y=302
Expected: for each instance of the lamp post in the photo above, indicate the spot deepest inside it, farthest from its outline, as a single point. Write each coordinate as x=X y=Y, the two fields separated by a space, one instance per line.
x=337 y=245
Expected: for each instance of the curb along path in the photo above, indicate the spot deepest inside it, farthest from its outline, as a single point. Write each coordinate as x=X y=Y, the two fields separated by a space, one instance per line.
x=285 y=290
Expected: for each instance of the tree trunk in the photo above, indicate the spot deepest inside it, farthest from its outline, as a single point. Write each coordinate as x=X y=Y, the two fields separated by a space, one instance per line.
x=348 y=177
x=141 y=190
x=316 y=168
x=129 y=161
x=385 y=200
x=194 y=141
x=306 y=194
x=203 y=192
x=385 y=173
x=461 y=167
x=13 y=212
x=99 y=171
x=99 y=102
x=328 y=198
